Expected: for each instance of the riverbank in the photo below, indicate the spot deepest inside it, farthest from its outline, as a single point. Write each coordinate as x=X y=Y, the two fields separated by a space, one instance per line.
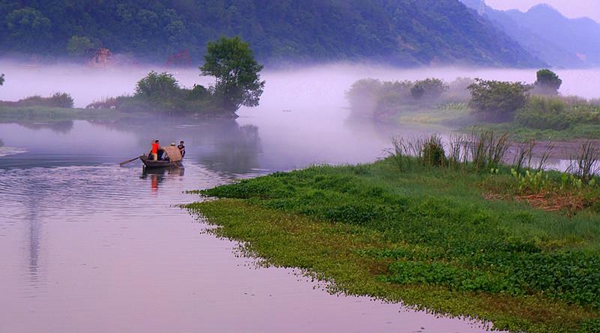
x=450 y=241
x=47 y=114
x=27 y=114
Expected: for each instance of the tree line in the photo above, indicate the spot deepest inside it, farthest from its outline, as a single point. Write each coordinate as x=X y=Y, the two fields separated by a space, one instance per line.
x=229 y=60
x=404 y=32
x=237 y=83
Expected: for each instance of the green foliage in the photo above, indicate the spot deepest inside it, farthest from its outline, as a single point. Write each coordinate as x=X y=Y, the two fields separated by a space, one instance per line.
x=27 y=28
x=161 y=93
x=431 y=89
x=422 y=232
x=232 y=63
x=363 y=95
x=433 y=153
x=557 y=113
x=547 y=83
x=497 y=100
x=531 y=182
x=78 y=45
x=57 y=100
x=158 y=86
x=374 y=98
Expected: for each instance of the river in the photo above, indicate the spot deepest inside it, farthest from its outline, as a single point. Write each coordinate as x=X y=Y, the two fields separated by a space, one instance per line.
x=89 y=246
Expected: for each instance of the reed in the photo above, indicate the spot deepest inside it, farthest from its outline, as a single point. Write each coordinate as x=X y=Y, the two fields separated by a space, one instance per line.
x=433 y=153
x=585 y=163
x=487 y=150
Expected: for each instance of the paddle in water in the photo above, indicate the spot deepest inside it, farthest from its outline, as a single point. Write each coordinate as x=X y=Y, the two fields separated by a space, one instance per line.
x=131 y=160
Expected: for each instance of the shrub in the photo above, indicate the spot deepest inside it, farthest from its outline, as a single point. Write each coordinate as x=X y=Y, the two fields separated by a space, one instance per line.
x=497 y=100
x=57 y=100
x=157 y=86
x=433 y=153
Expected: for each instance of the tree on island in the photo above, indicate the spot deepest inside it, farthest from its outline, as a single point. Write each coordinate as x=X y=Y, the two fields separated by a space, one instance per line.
x=547 y=83
x=231 y=62
x=157 y=86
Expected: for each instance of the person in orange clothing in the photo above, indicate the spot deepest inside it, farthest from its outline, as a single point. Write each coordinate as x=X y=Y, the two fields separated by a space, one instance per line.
x=155 y=148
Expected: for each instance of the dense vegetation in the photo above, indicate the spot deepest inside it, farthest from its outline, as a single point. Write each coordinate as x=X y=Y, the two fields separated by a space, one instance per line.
x=451 y=237
x=57 y=100
x=229 y=60
x=384 y=100
x=526 y=111
x=405 y=32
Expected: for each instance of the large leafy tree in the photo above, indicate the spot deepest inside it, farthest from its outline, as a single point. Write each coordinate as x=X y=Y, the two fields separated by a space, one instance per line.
x=231 y=62
x=157 y=86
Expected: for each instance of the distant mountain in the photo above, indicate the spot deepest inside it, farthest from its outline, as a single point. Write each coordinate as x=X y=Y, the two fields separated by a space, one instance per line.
x=400 y=32
x=547 y=34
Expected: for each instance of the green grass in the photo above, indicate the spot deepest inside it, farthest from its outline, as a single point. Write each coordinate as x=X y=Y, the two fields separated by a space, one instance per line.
x=523 y=134
x=427 y=236
x=47 y=114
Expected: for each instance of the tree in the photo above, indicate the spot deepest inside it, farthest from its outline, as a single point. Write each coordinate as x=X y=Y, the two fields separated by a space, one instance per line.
x=431 y=89
x=157 y=86
x=547 y=83
x=78 y=45
x=29 y=29
x=232 y=63
x=1 y=79
x=498 y=100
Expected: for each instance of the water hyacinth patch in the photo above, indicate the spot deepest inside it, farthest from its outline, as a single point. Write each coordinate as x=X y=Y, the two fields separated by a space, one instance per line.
x=430 y=237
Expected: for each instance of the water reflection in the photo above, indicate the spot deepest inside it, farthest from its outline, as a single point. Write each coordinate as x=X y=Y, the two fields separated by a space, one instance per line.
x=236 y=153
x=63 y=126
x=35 y=227
x=158 y=175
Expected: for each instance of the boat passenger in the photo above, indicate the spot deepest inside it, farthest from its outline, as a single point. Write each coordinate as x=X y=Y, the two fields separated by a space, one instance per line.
x=181 y=148
x=155 y=149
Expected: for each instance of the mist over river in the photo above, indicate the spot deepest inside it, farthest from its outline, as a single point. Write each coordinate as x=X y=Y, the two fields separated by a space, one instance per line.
x=89 y=246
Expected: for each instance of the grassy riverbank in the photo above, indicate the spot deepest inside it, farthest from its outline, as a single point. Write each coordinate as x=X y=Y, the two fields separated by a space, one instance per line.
x=450 y=241
x=52 y=114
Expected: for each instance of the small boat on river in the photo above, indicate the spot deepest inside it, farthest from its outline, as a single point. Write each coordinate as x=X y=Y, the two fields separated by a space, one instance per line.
x=171 y=158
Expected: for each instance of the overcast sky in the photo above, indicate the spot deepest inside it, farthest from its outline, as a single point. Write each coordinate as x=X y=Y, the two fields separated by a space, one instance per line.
x=569 y=8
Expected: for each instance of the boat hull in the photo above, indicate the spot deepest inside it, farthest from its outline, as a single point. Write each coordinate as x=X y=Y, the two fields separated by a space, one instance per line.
x=152 y=164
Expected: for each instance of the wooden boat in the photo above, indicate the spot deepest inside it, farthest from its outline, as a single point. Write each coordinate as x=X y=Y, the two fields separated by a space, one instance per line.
x=171 y=159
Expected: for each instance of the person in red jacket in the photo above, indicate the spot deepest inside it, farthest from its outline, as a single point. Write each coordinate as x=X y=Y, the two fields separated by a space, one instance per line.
x=155 y=148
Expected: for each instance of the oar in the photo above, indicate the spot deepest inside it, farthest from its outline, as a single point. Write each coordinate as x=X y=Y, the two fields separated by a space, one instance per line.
x=131 y=160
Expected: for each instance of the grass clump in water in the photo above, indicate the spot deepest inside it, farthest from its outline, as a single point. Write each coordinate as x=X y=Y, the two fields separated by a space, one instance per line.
x=430 y=237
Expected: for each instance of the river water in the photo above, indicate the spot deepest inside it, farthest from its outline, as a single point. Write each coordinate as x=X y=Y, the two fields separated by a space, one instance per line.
x=89 y=246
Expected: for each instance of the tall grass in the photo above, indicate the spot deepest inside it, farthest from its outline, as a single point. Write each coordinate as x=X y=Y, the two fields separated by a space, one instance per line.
x=585 y=163
x=478 y=151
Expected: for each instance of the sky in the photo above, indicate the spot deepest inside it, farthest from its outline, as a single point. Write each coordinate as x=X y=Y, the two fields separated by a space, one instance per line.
x=569 y=8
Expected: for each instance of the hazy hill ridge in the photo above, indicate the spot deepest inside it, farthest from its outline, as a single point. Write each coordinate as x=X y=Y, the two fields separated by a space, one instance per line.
x=550 y=36
x=400 y=32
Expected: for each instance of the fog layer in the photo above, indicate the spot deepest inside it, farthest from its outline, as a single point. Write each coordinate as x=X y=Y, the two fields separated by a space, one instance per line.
x=319 y=85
